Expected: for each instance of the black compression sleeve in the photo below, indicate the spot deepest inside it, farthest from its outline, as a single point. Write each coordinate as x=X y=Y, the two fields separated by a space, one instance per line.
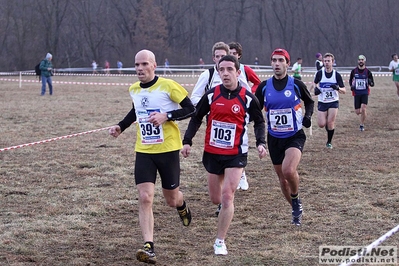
x=128 y=120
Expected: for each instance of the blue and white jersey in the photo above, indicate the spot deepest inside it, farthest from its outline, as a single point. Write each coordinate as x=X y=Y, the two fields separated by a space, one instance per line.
x=283 y=109
x=328 y=94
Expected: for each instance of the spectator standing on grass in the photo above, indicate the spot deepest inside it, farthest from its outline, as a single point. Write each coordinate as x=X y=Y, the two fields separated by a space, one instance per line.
x=119 y=65
x=319 y=61
x=360 y=80
x=394 y=68
x=156 y=103
x=46 y=68
x=229 y=108
x=209 y=79
x=281 y=97
x=297 y=69
x=330 y=86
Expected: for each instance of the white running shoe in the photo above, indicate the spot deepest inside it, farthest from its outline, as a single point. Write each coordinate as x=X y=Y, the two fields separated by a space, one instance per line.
x=220 y=249
x=243 y=182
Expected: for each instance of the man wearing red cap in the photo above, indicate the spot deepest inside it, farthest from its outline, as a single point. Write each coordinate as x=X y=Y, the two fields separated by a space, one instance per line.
x=281 y=96
x=330 y=86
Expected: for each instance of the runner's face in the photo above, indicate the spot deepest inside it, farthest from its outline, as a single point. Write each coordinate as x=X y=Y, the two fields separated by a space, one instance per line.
x=229 y=74
x=218 y=55
x=279 y=65
x=328 y=63
x=145 y=67
x=234 y=53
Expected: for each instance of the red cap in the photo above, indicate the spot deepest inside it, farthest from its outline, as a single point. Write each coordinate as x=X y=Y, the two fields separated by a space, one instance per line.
x=282 y=52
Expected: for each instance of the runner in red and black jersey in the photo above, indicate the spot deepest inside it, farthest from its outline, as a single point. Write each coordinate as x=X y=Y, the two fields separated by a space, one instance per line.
x=249 y=73
x=230 y=109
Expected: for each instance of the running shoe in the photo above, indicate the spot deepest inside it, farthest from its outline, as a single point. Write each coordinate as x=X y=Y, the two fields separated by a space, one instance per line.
x=218 y=209
x=361 y=127
x=220 y=249
x=243 y=182
x=329 y=145
x=185 y=216
x=296 y=211
x=146 y=254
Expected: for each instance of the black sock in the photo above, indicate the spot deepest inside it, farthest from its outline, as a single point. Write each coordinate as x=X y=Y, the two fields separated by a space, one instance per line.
x=151 y=244
x=294 y=196
x=330 y=134
x=182 y=207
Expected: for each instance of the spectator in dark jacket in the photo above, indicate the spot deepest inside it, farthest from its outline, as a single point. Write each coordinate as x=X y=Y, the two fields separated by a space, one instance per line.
x=46 y=68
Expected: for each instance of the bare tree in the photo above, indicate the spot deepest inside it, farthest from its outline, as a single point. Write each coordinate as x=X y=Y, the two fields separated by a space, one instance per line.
x=183 y=32
x=77 y=32
x=5 y=24
x=150 y=32
x=22 y=35
x=122 y=39
x=52 y=14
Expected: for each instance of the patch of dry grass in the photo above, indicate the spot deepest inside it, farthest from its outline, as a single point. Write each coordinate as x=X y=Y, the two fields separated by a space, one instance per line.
x=74 y=202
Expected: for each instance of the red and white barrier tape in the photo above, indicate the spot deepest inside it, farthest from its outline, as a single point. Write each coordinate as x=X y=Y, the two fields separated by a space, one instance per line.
x=52 y=139
x=129 y=84
x=80 y=83
x=70 y=82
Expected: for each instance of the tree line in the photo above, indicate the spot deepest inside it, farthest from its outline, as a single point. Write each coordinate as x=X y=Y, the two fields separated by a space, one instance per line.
x=77 y=32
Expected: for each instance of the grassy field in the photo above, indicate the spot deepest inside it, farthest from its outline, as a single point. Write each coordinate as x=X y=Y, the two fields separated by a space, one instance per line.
x=73 y=201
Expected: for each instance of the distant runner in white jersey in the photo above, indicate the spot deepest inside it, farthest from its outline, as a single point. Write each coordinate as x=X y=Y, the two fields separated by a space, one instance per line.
x=210 y=78
x=330 y=86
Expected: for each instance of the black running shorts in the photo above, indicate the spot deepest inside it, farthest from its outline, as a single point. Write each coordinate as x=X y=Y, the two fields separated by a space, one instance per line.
x=215 y=164
x=323 y=107
x=278 y=146
x=167 y=164
x=359 y=99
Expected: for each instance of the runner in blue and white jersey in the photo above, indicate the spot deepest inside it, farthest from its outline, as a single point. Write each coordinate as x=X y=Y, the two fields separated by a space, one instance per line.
x=328 y=84
x=281 y=97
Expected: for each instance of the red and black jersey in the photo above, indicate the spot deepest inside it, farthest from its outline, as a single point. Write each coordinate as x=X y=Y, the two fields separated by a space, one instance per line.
x=228 y=114
x=227 y=124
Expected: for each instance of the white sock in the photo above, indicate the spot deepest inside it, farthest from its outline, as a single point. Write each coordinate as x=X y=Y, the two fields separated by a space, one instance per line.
x=243 y=176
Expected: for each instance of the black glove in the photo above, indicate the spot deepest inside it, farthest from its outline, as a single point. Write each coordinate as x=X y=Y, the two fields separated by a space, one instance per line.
x=335 y=87
x=370 y=82
x=306 y=122
x=317 y=91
